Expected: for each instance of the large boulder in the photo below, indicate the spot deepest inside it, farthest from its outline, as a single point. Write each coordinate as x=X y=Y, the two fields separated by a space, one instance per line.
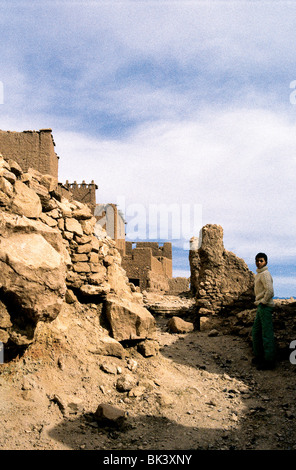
x=129 y=320
x=32 y=273
x=25 y=201
x=11 y=224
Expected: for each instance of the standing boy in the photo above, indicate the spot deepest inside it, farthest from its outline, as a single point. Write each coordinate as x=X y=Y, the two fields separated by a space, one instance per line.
x=262 y=332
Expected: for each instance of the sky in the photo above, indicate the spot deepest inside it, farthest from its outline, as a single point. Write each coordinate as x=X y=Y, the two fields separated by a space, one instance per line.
x=180 y=108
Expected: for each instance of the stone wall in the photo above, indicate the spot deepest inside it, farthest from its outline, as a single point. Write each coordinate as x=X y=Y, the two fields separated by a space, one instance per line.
x=36 y=149
x=219 y=279
x=49 y=253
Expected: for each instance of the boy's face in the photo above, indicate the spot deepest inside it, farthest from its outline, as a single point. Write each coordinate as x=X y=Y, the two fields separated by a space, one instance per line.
x=260 y=262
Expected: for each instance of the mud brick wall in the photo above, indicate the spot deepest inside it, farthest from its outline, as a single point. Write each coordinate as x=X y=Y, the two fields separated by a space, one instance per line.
x=178 y=285
x=148 y=265
x=31 y=149
x=84 y=192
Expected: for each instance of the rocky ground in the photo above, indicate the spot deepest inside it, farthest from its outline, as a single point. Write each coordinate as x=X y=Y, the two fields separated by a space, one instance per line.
x=200 y=391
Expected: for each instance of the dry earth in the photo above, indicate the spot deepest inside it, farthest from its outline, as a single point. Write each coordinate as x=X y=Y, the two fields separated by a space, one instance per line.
x=200 y=392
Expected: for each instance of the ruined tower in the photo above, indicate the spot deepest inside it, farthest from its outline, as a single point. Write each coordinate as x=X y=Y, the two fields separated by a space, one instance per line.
x=36 y=149
x=31 y=149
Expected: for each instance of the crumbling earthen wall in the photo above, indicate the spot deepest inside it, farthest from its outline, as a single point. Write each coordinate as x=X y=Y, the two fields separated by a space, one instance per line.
x=31 y=149
x=157 y=251
x=137 y=266
x=157 y=282
x=219 y=279
x=178 y=285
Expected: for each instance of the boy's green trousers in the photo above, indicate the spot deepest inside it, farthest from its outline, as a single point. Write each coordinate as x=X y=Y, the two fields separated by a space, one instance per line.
x=263 y=335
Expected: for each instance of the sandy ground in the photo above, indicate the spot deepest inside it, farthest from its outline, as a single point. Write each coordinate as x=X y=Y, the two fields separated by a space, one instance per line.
x=200 y=392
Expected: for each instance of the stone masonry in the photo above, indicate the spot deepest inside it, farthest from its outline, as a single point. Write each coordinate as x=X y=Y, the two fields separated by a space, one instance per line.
x=48 y=252
x=219 y=279
x=84 y=192
x=148 y=265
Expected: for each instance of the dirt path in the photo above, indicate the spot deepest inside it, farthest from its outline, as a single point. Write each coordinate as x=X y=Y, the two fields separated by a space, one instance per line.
x=199 y=392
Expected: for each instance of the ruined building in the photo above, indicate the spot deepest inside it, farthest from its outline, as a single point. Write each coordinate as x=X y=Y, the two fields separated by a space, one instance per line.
x=111 y=219
x=84 y=192
x=220 y=280
x=36 y=149
x=31 y=149
x=147 y=265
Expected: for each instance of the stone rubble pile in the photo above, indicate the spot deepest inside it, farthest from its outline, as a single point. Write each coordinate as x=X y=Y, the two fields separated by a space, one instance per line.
x=51 y=250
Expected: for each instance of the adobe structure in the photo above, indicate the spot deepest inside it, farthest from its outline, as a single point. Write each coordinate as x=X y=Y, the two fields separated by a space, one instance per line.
x=84 y=192
x=36 y=149
x=31 y=149
x=112 y=220
x=147 y=264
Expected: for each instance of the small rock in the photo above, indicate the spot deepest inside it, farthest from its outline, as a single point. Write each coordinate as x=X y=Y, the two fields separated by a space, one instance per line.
x=164 y=399
x=61 y=363
x=109 y=347
x=177 y=325
x=213 y=333
x=148 y=348
x=71 y=405
x=75 y=407
x=102 y=388
x=137 y=391
x=132 y=364
x=70 y=297
x=211 y=403
x=108 y=414
x=108 y=368
x=126 y=382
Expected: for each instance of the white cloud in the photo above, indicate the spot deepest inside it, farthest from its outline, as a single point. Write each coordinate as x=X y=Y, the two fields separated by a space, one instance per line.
x=220 y=47
x=239 y=165
x=201 y=89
